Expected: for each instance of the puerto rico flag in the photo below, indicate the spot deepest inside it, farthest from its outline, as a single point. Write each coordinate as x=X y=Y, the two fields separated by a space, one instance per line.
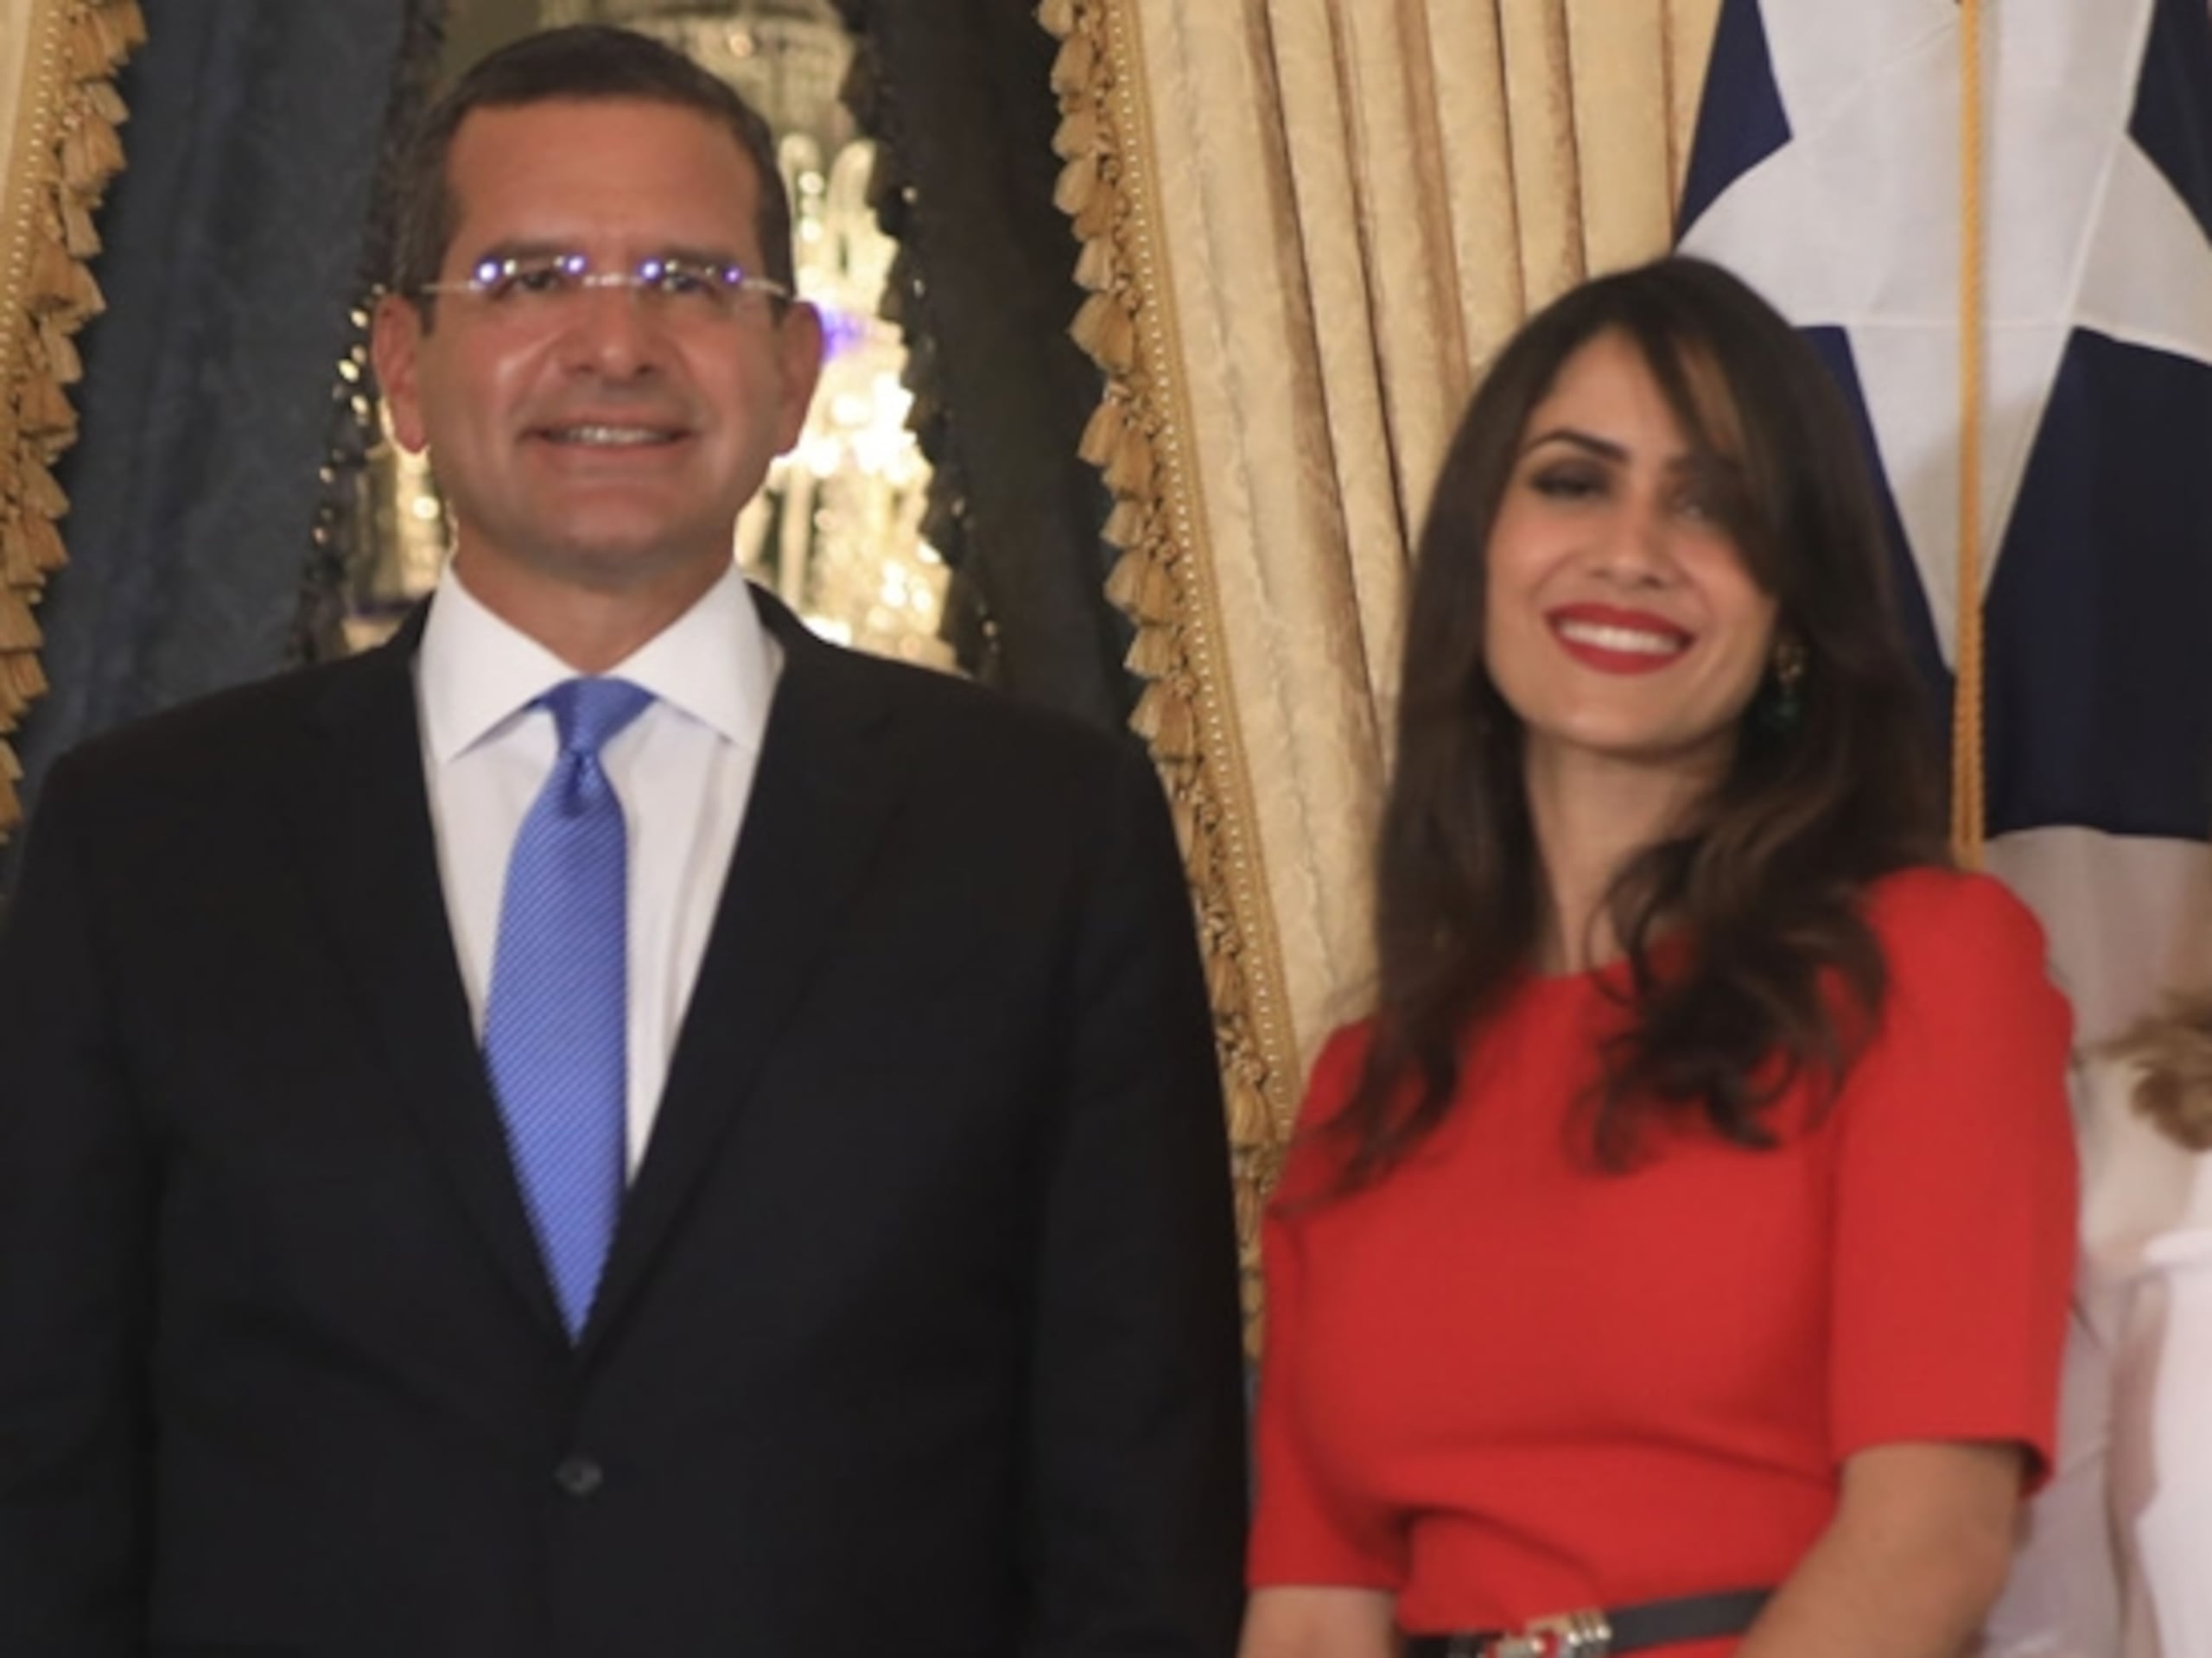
x=1826 y=172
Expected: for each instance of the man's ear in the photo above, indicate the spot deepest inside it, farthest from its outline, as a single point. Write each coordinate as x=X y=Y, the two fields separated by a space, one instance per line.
x=395 y=344
x=798 y=348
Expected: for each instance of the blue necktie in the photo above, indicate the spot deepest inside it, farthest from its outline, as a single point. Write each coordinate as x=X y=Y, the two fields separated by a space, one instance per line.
x=556 y=1018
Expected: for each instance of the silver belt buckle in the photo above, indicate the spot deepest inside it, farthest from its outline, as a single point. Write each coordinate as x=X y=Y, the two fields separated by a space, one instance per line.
x=1568 y=1635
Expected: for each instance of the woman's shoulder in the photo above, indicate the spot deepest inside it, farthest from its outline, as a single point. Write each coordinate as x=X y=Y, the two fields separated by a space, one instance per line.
x=1966 y=973
x=1952 y=918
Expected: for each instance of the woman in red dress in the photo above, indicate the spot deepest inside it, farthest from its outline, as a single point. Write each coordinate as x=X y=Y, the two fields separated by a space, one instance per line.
x=1678 y=1256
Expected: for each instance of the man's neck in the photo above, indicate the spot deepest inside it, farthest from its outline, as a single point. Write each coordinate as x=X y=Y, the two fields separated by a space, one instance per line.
x=592 y=630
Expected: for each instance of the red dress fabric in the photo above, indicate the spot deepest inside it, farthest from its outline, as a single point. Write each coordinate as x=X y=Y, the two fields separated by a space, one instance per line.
x=1502 y=1384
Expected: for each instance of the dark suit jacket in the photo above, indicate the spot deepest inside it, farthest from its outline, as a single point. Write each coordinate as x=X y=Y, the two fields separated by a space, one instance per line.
x=919 y=1334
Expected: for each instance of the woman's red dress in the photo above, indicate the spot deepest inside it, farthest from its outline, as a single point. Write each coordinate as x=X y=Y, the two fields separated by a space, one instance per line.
x=1502 y=1384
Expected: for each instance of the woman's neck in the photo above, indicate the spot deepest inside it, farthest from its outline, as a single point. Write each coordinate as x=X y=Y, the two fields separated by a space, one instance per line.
x=1590 y=815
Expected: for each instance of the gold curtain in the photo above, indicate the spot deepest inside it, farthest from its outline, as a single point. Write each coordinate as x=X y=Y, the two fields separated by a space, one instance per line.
x=59 y=111
x=1305 y=226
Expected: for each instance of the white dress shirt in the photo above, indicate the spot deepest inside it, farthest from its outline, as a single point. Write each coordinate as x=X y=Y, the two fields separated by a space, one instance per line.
x=683 y=769
x=2118 y=1556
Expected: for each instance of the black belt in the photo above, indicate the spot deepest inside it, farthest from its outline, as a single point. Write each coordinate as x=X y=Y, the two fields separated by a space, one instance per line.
x=1596 y=1634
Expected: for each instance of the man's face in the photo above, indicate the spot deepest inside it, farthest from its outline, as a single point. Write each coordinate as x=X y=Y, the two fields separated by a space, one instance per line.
x=602 y=441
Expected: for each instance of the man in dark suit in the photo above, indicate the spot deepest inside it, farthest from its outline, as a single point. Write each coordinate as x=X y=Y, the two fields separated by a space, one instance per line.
x=608 y=1127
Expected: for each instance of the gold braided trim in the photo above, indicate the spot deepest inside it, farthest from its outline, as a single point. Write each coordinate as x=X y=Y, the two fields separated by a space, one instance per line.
x=1969 y=813
x=65 y=151
x=1186 y=714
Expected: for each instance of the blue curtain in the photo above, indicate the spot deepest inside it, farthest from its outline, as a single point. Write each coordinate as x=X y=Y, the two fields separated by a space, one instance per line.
x=234 y=246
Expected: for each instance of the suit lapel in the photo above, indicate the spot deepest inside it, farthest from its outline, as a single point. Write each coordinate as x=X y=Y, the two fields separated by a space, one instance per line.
x=363 y=825
x=821 y=804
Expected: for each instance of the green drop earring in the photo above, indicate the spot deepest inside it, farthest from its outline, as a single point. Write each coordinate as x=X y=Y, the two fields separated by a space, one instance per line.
x=1781 y=703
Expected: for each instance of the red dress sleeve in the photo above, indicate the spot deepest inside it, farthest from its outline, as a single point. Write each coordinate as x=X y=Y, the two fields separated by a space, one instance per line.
x=1305 y=1531
x=1954 y=1202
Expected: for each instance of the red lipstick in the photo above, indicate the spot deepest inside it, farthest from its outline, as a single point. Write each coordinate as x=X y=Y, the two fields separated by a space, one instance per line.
x=1616 y=641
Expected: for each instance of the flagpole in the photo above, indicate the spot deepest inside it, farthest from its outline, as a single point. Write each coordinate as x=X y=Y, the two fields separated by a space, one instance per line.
x=1968 y=812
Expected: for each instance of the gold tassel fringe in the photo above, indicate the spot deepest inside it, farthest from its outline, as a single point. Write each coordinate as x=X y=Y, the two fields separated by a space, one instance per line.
x=1124 y=439
x=80 y=153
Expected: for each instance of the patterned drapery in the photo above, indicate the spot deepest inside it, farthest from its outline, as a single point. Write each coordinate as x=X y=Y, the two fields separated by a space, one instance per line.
x=232 y=255
x=1306 y=226
x=59 y=111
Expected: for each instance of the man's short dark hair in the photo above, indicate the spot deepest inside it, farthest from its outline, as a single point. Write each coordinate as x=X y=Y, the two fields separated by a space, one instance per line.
x=587 y=63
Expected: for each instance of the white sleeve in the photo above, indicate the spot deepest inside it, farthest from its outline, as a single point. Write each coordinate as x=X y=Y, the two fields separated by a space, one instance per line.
x=2062 y=1600
x=2162 y=1442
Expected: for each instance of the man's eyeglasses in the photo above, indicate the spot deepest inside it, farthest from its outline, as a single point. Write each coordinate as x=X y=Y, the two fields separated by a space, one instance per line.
x=530 y=283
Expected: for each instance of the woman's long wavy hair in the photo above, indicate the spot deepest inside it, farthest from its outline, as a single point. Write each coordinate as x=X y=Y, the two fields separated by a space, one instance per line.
x=1764 y=882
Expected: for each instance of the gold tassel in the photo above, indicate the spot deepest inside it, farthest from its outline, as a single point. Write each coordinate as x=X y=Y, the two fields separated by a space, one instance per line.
x=90 y=56
x=1126 y=523
x=92 y=153
x=17 y=569
x=25 y=677
x=1186 y=828
x=1078 y=182
x=1093 y=266
x=1057 y=16
x=1095 y=218
x=1167 y=726
x=61 y=283
x=109 y=31
x=1179 y=731
x=1125 y=583
x=1144 y=718
x=102 y=99
x=61 y=359
x=1224 y=979
x=1151 y=654
x=1101 y=433
x=42 y=543
x=88 y=300
x=11 y=808
x=44 y=409
x=130 y=22
x=1076 y=135
x=1159 y=596
x=53 y=279
x=18 y=629
x=1071 y=66
x=1129 y=471
x=1102 y=328
x=79 y=234
x=13 y=698
x=1249 y=1120
x=41 y=493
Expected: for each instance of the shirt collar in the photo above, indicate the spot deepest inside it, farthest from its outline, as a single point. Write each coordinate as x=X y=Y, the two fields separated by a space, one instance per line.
x=479 y=672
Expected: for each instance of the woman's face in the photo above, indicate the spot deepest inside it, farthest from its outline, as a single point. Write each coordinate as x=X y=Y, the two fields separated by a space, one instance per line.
x=1621 y=621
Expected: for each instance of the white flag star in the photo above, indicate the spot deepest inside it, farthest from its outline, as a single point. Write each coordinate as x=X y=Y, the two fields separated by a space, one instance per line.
x=1854 y=223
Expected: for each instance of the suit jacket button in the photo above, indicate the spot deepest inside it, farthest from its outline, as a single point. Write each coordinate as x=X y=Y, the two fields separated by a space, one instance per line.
x=579 y=1476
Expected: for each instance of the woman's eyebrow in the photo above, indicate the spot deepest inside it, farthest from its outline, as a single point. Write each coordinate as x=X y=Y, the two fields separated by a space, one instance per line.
x=1598 y=446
